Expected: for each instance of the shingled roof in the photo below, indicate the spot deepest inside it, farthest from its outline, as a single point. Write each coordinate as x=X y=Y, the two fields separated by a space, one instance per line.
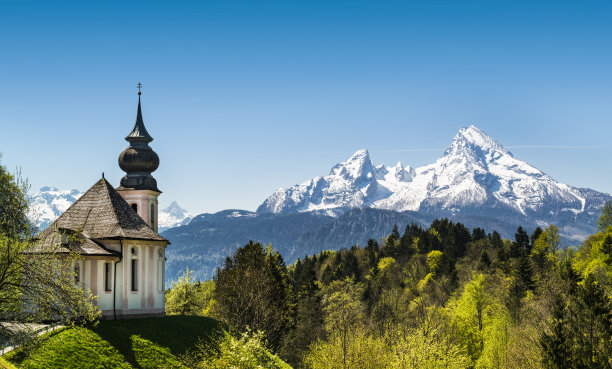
x=101 y=213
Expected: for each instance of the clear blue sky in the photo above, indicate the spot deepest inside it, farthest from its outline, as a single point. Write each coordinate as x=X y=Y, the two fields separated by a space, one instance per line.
x=243 y=97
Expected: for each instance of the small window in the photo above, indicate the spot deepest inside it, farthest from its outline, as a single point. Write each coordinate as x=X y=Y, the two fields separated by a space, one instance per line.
x=152 y=216
x=77 y=274
x=135 y=207
x=134 y=274
x=107 y=276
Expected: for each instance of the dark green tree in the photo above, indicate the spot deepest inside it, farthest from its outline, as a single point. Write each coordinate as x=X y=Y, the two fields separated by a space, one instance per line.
x=605 y=219
x=14 y=222
x=607 y=244
x=521 y=243
x=253 y=290
x=478 y=234
x=485 y=261
x=556 y=345
x=591 y=325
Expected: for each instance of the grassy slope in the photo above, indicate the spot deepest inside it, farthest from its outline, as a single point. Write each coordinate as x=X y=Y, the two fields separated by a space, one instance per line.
x=137 y=343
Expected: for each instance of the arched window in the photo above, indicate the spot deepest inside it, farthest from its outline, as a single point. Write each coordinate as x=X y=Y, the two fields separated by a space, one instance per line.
x=135 y=207
x=134 y=268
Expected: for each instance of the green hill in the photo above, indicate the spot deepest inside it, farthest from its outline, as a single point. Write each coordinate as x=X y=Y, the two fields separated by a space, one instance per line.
x=136 y=343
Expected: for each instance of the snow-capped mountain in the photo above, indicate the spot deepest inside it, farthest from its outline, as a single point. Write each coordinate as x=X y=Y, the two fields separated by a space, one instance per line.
x=173 y=216
x=476 y=175
x=49 y=203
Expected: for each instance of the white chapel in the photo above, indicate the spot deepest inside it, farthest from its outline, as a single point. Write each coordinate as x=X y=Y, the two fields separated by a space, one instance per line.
x=115 y=232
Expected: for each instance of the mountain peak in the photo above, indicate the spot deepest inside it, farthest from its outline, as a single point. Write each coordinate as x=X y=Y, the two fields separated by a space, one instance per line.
x=356 y=166
x=472 y=137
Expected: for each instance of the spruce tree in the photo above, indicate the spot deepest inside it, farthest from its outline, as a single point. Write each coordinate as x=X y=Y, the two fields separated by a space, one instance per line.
x=605 y=219
x=521 y=243
x=556 y=345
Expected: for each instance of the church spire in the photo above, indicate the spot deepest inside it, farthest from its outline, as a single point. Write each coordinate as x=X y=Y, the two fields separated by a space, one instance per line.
x=139 y=160
x=139 y=132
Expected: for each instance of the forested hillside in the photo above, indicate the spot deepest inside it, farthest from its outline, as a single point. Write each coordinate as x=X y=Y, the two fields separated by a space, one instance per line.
x=426 y=297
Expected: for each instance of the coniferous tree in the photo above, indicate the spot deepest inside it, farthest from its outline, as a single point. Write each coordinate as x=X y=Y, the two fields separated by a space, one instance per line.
x=605 y=219
x=556 y=345
x=521 y=243
x=253 y=290
x=607 y=245
x=484 y=262
x=478 y=234
x=591 y=325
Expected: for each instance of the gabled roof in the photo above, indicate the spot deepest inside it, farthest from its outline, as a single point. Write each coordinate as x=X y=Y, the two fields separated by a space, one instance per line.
x=101 y=213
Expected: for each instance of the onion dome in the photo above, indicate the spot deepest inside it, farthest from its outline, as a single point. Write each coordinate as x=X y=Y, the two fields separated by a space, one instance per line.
x=139 y=160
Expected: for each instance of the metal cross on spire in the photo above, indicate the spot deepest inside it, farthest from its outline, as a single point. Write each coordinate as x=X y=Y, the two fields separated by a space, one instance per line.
x=139 y=85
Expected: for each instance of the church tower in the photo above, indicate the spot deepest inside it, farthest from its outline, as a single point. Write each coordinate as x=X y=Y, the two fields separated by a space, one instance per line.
x=138 y=187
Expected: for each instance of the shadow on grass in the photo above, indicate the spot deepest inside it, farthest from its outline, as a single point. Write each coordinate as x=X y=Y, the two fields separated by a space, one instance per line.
x=179 y=333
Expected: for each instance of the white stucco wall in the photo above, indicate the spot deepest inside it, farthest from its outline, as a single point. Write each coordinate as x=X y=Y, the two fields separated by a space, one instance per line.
x=148 y=298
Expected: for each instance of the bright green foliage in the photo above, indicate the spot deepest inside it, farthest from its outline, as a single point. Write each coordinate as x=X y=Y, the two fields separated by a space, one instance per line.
x=188 y=297
x=344 y=315
x=151 y=356
x=6 y=365
x=246 y=351
x=434 y=261
x=70 y=348
x=385 y=263
x=432 y=350
x=364 y=351
x=605 y=218
x=138 y=343
x=469 y=313
x=546 y=246
x=496 y=339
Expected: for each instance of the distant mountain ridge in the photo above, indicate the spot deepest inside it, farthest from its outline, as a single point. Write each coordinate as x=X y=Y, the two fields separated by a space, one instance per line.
x=49 y=203
x=475 y=176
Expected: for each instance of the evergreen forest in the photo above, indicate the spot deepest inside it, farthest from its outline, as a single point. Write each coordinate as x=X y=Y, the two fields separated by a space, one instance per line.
x=438 y=297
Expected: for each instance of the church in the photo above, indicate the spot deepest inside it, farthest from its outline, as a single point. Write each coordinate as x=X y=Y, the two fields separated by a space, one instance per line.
x=115 y=232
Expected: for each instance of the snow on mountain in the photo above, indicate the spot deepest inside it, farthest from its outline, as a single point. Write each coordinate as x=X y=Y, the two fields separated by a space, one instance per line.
x=349 y=184
x=49 y=203
x=173 y=216
x=475 y=173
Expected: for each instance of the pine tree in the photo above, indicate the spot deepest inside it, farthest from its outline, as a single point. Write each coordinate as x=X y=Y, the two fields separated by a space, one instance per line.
x=605 y=219
x=253 y=290
x=478 y=234
x=592 y=325
x=607 y=245
x=521 y=243
x=484 y=262
x=556 y=347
